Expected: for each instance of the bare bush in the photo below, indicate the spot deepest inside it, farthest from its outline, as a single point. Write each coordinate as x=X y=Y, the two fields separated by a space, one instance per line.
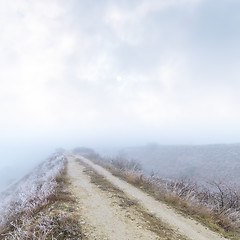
x=122 y=163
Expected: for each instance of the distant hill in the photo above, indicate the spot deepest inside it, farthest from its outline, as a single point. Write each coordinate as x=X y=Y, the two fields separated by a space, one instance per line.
x=202 y=162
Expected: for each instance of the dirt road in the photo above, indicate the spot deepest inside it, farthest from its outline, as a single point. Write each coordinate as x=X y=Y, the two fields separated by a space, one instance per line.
x=112 y=209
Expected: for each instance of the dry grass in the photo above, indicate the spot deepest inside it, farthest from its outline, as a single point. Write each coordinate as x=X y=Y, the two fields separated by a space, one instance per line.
x=49 y=219
x=219 y=210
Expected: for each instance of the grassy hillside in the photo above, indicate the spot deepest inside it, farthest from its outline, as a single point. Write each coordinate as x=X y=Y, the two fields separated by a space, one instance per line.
x=37 y=206
x=206 y=162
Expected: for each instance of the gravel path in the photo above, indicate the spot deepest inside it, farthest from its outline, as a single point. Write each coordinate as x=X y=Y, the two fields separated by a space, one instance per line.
x=111 y=222
x=101 y=216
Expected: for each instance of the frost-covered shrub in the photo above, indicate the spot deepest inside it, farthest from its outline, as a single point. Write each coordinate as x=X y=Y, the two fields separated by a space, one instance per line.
x=31 y=192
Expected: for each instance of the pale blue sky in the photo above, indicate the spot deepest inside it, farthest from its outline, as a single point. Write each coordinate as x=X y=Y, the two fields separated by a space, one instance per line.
x=119 y=72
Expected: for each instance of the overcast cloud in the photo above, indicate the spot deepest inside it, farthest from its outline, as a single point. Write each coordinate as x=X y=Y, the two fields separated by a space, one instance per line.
x=119 y=72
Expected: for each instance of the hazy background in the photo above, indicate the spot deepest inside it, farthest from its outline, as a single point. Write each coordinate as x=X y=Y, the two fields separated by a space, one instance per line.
x=201 y=163
x=116 y=73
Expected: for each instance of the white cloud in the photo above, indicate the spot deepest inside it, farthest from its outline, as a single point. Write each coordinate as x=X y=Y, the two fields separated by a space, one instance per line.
x=128 y=23
x=113 y=73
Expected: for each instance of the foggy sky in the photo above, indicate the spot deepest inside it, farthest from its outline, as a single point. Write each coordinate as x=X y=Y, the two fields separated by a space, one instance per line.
x=100 y=73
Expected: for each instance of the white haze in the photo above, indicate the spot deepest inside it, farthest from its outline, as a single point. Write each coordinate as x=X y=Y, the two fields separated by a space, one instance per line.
x=116 y=73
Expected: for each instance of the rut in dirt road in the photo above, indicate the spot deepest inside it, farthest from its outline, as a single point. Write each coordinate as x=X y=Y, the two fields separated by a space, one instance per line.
x=108 y=215
x=185 y=226
x=100 y=218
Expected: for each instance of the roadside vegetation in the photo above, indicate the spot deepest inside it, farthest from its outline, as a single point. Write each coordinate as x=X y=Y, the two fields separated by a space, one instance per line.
x=39 y=206
x=133 y=209
x=217 y=205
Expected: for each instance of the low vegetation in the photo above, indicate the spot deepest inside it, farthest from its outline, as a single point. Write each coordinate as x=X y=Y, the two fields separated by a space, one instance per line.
x=217 y=206
x=38 y=206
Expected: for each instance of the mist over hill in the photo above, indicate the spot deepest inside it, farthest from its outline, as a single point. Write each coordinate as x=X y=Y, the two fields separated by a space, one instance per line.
x=8 y=175
x=18 y=159
x=201 y=162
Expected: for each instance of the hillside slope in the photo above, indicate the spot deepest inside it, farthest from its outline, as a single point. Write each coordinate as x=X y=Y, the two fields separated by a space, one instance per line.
x=113 y=209
x=38 y=205
x=208 y=162
x=70 y=197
